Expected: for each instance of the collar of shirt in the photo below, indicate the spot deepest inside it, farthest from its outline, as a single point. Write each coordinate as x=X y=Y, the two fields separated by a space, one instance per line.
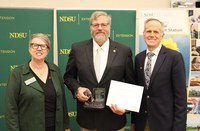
x=156 y=51
x=154 y=58
x=104 y=47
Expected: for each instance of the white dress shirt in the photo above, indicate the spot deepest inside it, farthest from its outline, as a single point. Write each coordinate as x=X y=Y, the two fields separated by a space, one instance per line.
x=154 y=58
x=104 y=55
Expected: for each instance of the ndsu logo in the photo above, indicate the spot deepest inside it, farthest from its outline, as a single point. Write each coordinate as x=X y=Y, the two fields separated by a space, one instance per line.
x=18 y=35
x=72 y=114
x=67 y=18
x=12 y=67
x=65 y=51
x=148 y=14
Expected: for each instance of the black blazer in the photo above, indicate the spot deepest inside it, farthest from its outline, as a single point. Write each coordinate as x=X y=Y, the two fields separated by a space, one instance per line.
x=164 y=103
x=80 y=72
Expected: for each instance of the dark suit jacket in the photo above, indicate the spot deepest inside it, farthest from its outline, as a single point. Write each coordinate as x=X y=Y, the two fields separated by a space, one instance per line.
x=80 y=72
x=164 y=103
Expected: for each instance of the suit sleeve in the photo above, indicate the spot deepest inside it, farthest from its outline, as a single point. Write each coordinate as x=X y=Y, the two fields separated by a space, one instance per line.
x=180 y=95
x=65 y=108
x=129 y=78
x=70 y=76
x=11 y=102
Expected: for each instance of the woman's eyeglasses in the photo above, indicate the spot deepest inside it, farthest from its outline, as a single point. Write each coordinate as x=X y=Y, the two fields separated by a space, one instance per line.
x=36 y=46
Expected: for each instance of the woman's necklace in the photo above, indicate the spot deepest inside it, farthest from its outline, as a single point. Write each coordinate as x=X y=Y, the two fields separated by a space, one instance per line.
x=40 y=70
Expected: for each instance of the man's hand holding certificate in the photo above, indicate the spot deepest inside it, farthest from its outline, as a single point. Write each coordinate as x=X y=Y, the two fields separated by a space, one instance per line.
x=124 y=95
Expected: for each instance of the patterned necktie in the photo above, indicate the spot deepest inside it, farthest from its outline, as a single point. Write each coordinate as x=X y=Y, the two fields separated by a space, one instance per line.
x=97 y=63
x=147 y=70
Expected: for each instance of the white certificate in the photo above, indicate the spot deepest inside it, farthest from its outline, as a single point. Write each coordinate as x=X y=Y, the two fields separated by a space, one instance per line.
x=124 y=95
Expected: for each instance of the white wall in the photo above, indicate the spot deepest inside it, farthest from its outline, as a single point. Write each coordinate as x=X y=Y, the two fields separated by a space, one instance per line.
x=117 y=4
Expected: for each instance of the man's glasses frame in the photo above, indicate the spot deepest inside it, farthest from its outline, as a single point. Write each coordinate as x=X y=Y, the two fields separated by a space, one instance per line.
x=103 y=25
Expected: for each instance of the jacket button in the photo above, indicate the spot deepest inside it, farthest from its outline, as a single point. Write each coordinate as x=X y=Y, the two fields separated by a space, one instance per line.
x=148 y=97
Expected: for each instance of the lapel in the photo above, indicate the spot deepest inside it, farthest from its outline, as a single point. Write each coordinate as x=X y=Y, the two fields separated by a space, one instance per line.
x=36 y=86
x=111 y=55
x=54 y=77
x=141 y=68
x=159 y=62
x=27 y=75
x=89 y=53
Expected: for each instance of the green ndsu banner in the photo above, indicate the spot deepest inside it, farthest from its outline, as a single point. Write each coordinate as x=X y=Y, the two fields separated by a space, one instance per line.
x=73 y=26
x=16 y=26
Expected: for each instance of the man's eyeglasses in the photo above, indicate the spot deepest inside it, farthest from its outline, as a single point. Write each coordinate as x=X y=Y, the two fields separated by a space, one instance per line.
x=96 y=25
x=36 y=46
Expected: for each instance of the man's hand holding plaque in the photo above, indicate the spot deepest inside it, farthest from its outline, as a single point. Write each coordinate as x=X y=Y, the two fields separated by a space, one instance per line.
x=94 y=99
x=80 y=94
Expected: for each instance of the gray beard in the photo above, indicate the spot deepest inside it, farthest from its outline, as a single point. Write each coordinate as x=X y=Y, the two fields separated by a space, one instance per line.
x=100 y=39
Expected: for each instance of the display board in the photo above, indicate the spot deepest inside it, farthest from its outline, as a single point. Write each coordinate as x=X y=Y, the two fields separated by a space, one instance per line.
x=193 y=119
x=16 y=26
x=176 y=29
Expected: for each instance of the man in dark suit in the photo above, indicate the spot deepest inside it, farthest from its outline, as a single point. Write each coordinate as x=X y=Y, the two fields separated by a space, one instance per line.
x=164 y=105
x=81 y=75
